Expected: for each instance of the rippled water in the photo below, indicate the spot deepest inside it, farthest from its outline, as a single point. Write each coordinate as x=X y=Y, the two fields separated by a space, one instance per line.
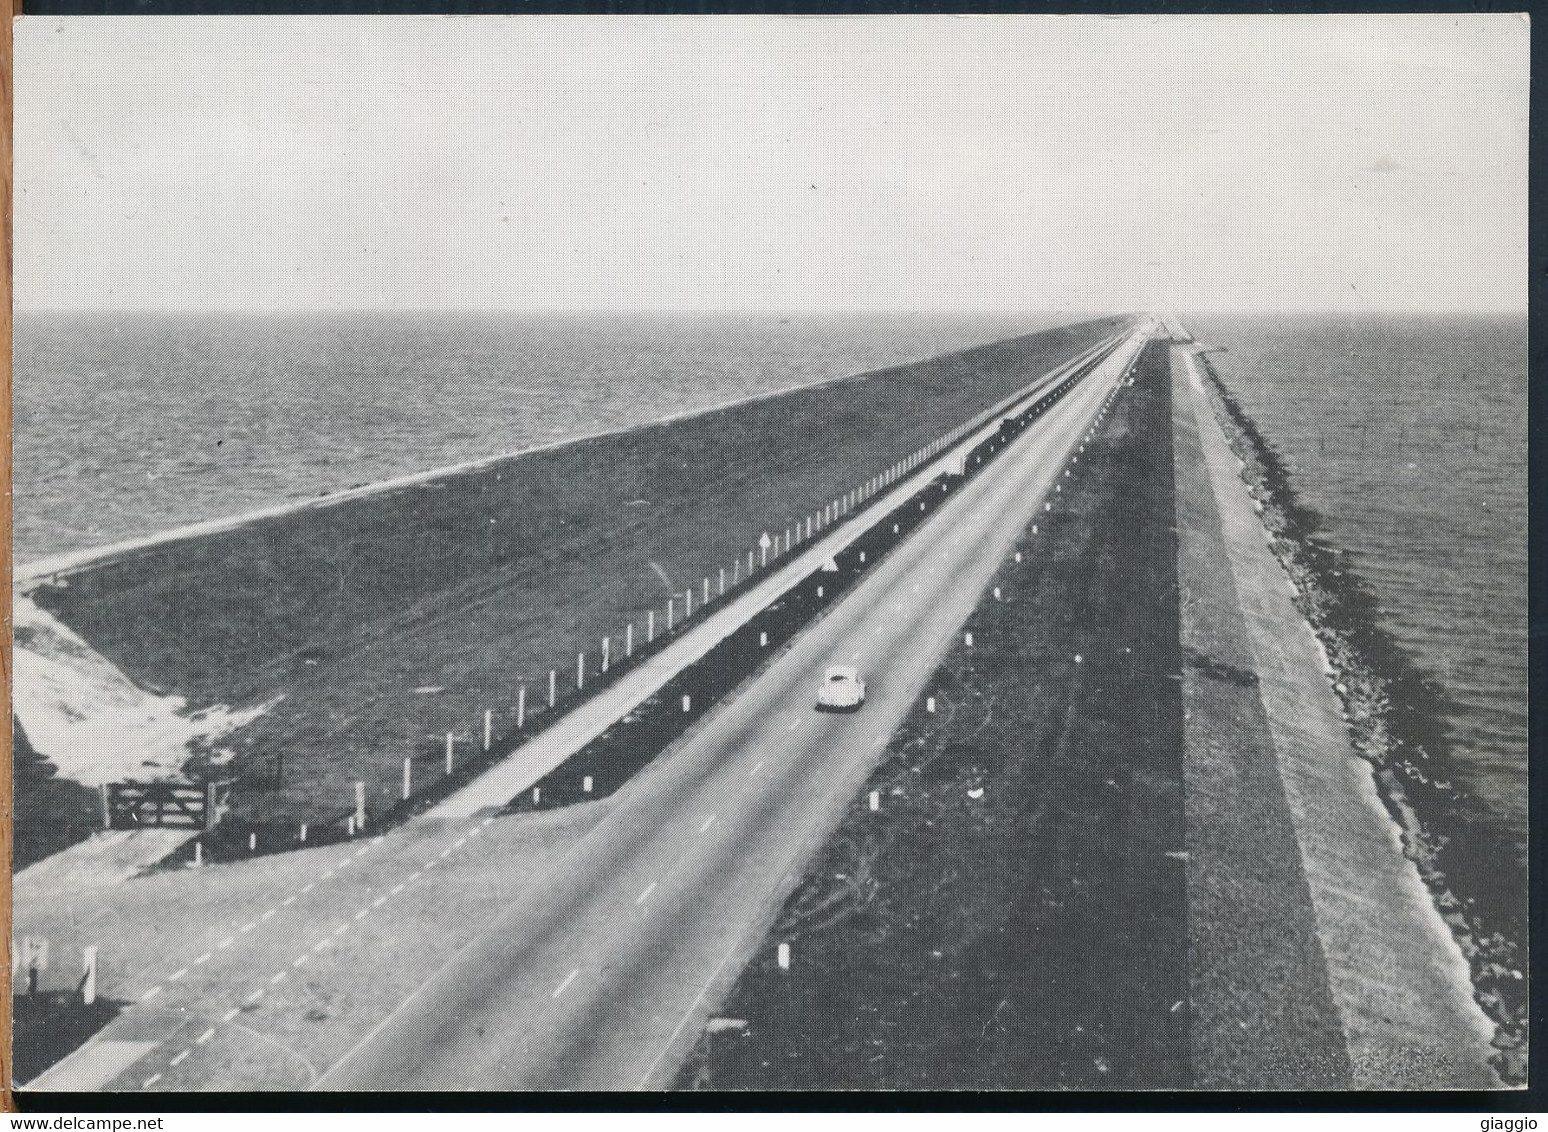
x=130 y=424
x=1409 y=436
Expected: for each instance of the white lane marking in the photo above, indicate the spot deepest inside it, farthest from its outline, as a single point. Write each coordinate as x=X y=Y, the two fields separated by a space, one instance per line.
x=397 y=888
x=278 y=977
x=225 y=943
x=916 y=589
x=300 y=960
x=345 y=863
x=416 y=874
x=475 y=831
x=251 y=924
x=856 y=656
x=756 y=769
x=150 y=994
x=642 y=897
x=879 y=629
x=881 y=738
x=176 y=975
x=204 y=1037
x=255 y=996
x=325 y=876
x=205 y=958
x=180 y=1058
x=362 y=914
x=709 y=821
x=486 y=821
x=795 y=724
x=568 y=979
x=379 y=901
x=151 y=1080
x=341 y=929
x=429 y=865
x=444 y=854
x=322 y=944
x=361 y=850
x=287 y=902
x=704 y=990
x=308 y=887
x=459 y=843
x=230 y=1014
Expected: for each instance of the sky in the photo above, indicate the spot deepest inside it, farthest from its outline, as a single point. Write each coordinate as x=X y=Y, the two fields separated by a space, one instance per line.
x=994 y=163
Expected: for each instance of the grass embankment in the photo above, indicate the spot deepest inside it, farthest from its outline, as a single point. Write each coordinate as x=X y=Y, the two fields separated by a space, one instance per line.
x=484 y=580
x=1033 y=935
x=1390 y=702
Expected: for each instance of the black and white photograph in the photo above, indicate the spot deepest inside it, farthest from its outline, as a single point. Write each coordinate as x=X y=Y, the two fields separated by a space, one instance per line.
x=744 y=553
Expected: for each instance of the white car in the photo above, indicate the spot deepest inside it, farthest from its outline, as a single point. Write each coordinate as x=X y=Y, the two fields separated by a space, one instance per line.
x=842 y=689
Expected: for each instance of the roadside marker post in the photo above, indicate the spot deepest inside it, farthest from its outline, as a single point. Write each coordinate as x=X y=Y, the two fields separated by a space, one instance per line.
x=722 y=581
x=408 y=777
x=784 y=957
x=763 y=640
x=650 y=626
x=671 y=612
x=360 y=814
x=107 y=814
x=628 y=640
x=688 y=603
x=349 y=826
x=607 y=652
x=449 y=742
x=252 y=839
x=967 y=639
x=586 y=785
x=303 y=833
x=580 y=671
x=537 y=795
x=706 y=593
x=553 y=687
x=198 y=861
x=687 y=704
x=89 y=975
x=875 y=801
x=521 y=706
x=930 y=705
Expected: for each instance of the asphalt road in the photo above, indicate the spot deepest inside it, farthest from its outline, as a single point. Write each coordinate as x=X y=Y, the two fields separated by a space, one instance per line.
x=601 y=976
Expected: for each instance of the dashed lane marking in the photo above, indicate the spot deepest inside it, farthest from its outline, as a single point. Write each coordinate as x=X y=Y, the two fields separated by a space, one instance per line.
x=300 y=960
x=568 y=979
x=180 y=1058
x=709 y=821
x=150 y=994
x=230 y=1014
x=204 y=1037
x=341 y=929
x=397 y=888
x=379 y=901
x=642 y=897
x=322 y=944
x=287 y=902
x=225 y=943
x=308 y=887
x=151 y=1080
x=178 y=974
x=756 y=769
x=278 y=977
x=250 y=925
x=794 y=724
x=855 y=656
x=205 y=958
x=255 y=996
x=363 y=913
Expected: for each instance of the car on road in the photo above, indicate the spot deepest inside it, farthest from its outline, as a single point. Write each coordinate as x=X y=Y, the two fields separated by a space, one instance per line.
x=842 y=689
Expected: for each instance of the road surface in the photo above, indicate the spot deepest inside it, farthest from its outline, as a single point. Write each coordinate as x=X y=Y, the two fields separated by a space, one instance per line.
x=601 y=976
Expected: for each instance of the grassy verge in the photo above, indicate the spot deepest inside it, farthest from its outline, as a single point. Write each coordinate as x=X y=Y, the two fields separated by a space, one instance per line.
x=1012 y=916
x=476 y=583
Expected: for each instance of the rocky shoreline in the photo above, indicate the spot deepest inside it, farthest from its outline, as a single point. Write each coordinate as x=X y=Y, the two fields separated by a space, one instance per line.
x=1383 y=694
